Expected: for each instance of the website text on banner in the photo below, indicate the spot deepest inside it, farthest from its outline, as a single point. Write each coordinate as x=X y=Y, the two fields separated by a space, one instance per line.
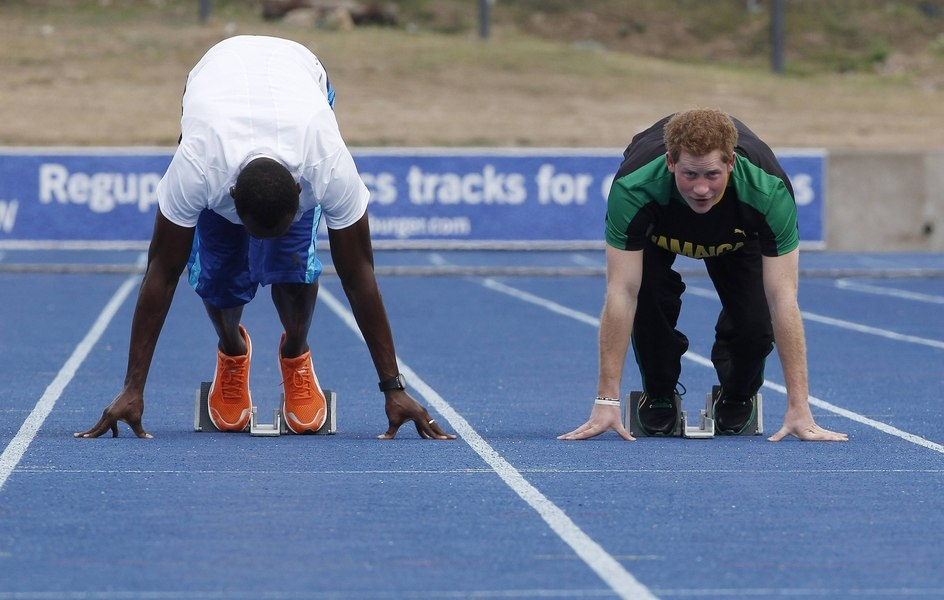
x=453 y=196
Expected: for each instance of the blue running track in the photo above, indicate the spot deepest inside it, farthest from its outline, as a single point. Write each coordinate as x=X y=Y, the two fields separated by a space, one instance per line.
x=507 y=361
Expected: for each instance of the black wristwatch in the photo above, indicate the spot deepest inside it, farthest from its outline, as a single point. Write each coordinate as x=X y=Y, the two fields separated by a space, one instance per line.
x=397 y=383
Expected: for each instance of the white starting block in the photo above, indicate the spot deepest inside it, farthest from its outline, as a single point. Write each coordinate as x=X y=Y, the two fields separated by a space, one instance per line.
x=272 y=429
x=704 y=429
x=202 y=421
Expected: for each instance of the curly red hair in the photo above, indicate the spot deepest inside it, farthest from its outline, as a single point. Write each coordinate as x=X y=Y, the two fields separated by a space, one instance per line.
x=700 y=131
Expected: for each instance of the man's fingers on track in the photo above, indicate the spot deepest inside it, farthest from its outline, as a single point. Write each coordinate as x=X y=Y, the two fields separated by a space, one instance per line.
x=134 y=424
x=585 y=427
x=570 y=434
x=589 y=430
x=137 y=429
x=623 y=433
x=429 y=429
x=105 y=424
x=390 y=433
x=421 y=428
x=96 y=430
x=438 y=433
x=814 y=433
x=581 y=433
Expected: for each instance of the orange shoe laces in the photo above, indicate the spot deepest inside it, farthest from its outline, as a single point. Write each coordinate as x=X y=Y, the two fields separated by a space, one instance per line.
x=233 y=382
x=302 y=381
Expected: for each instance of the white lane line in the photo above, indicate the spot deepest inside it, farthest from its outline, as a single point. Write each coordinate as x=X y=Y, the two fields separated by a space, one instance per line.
x=585 y=261
x=842 y=324
x=706 y=362
x=602 y=563
x=424 y=594
x=542 y=302
x=885 y=333
x=517 y=594
x=40 y=470
x=21 y=441
x=855 y=286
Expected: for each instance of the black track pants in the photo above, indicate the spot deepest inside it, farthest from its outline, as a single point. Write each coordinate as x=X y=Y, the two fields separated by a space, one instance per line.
x=743 y=334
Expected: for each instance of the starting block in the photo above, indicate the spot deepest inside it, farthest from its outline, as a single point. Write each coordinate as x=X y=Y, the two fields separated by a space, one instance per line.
x=703 y=429
x=202 y=421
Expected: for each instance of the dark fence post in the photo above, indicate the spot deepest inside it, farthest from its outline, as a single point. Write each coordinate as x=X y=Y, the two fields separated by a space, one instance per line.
x=205 y=6
x=484 y=19
x=776 y=35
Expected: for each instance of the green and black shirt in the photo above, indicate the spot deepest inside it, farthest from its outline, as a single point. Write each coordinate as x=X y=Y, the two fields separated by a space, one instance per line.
x=645 y=207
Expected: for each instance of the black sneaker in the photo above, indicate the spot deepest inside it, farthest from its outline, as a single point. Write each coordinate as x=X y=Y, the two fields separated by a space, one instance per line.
x=658 y=416
x=733 y=415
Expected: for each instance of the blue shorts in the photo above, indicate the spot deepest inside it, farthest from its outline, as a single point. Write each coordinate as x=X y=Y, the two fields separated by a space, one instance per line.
x=227 y=264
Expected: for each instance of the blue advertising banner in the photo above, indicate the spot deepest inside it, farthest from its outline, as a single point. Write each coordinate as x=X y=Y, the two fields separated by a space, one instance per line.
x=452 y=196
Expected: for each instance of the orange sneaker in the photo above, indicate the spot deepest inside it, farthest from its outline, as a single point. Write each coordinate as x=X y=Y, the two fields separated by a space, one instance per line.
x=229 y=402
x=304 y=409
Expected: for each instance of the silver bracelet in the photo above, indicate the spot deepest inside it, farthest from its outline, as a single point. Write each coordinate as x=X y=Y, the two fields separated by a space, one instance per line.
x=606 y=401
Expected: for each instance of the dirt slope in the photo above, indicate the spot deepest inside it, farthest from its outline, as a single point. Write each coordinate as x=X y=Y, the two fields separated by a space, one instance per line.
x=106 y=77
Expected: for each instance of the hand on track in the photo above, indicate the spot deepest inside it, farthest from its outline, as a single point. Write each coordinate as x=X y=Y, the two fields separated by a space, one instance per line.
x=126 y=407
x=400 y=408
x=602 y=419
x=800 y=424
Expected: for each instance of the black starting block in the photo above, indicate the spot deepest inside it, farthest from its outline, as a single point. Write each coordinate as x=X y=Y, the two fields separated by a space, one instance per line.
x=202 y=421
x=703 y=429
